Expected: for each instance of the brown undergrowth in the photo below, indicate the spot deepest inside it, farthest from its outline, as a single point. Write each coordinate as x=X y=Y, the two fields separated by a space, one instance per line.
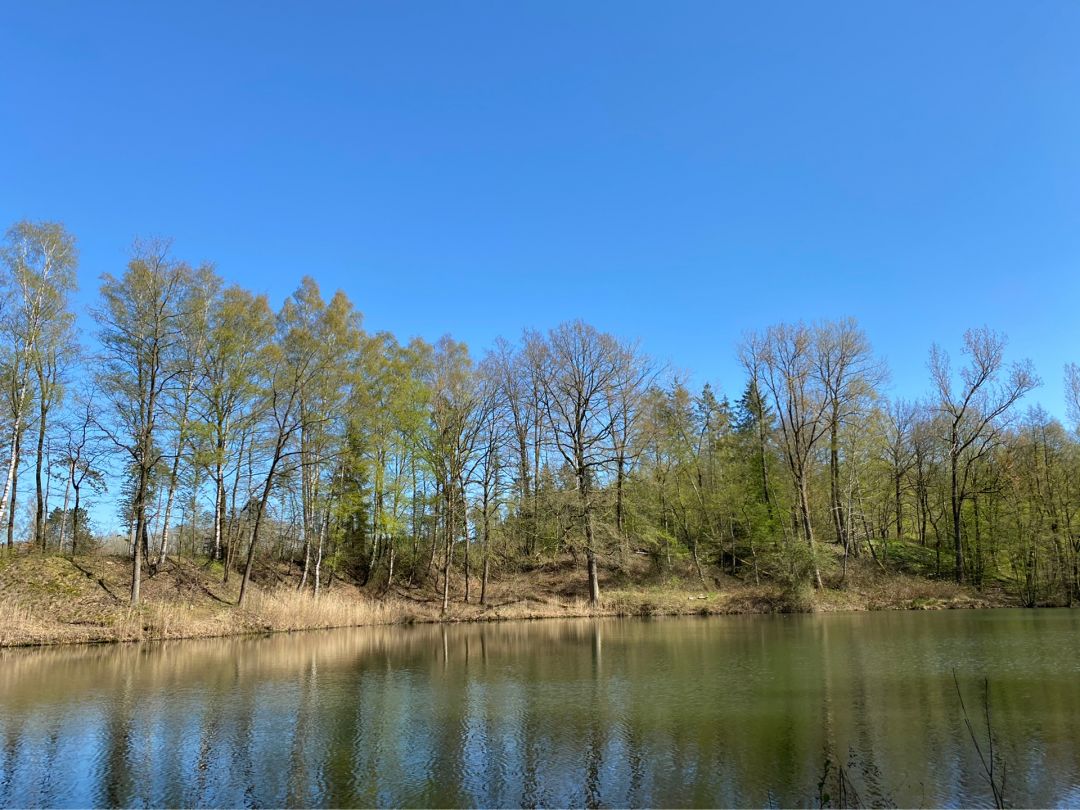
x=54 y=600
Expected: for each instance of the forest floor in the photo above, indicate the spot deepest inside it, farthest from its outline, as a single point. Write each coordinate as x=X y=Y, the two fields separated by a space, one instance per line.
x=50 y=599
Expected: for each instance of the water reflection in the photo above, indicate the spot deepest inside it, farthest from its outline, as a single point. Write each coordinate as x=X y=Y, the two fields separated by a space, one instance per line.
x=703 y=712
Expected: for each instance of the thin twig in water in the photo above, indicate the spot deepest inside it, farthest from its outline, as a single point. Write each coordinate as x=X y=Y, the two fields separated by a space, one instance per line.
x=988 y=763
x=846 y=794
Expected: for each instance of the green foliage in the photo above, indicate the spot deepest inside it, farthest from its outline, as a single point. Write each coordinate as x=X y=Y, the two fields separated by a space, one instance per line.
x=63 y=521
x=378 y=459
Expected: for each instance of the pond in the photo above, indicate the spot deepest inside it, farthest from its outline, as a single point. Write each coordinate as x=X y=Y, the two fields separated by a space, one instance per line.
x=732 y=711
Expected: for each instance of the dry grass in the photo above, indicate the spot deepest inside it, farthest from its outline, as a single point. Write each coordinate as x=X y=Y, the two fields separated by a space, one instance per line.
x=288 y=609
x=19 y=623
x=53 y=600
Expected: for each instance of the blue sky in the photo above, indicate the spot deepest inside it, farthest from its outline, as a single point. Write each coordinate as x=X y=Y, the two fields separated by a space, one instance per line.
x=676 y=172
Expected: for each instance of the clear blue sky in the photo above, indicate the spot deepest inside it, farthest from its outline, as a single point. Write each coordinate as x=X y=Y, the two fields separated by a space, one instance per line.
x=677 y=172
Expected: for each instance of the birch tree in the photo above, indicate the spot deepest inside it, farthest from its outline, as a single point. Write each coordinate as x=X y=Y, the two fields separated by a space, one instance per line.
x=298 y=357
x=141 y=323
x=239 y=329
x=39 y=260
x=451 y=439
x=190 y=351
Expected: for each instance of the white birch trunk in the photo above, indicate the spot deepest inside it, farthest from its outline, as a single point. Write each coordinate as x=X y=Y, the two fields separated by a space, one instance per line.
x=13 y=460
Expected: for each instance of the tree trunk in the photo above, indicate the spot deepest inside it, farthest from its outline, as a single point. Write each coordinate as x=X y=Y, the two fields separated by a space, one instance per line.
x=899 y=509
x=435 y=528
x=64 y=512
x=590 y=552
x=14 y=491
x=594 y=580
x=808 y=526
x=977 y=573
x=535 y=533
x=150 y=518
x=219 y=511
x=306 y=505
x=319 y=550
x=697 y=559
x=163 y=548
x=448 y=548
x=956 y=504
x=259 y=509
x=465 y=539
x=836 y=507
x=140 y=534
x=620 y=476
x=487 y=559
x=39 y=512
x=75 y=521
x=763 y=459
x=13 y=460
x=523 y=485
x=194 y=524
x=234 y=519
x=304 y=529
x=390 y=563
x=376 y=534
x=415 y=528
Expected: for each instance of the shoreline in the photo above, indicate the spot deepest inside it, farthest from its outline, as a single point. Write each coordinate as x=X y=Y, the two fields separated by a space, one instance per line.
x=53 y=601
x=601 y=613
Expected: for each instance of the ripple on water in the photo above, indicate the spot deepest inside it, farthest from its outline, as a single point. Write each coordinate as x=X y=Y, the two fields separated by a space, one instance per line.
x=703 y=712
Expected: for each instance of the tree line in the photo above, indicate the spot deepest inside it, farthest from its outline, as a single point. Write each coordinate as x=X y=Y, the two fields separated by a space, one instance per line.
x=232 y=432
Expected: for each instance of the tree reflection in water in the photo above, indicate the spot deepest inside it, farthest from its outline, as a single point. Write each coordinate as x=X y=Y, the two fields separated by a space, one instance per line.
x=701 y=712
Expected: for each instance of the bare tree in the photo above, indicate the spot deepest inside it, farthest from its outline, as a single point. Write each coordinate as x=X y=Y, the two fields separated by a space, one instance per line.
x=786 y=367
x=899 y=423
x=85 y=452
x=581 y=370
x=849 y=374
x=509 y=369
x=975 y=412
x=1072 y=392
x=458 y=406
x=625 y=399
x=142 y=320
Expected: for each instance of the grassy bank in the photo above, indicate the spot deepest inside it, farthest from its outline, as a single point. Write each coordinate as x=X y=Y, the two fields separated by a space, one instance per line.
x=56 y=600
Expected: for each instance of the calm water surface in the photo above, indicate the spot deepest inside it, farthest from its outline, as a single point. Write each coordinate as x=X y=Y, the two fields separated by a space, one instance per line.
x=670 y=712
